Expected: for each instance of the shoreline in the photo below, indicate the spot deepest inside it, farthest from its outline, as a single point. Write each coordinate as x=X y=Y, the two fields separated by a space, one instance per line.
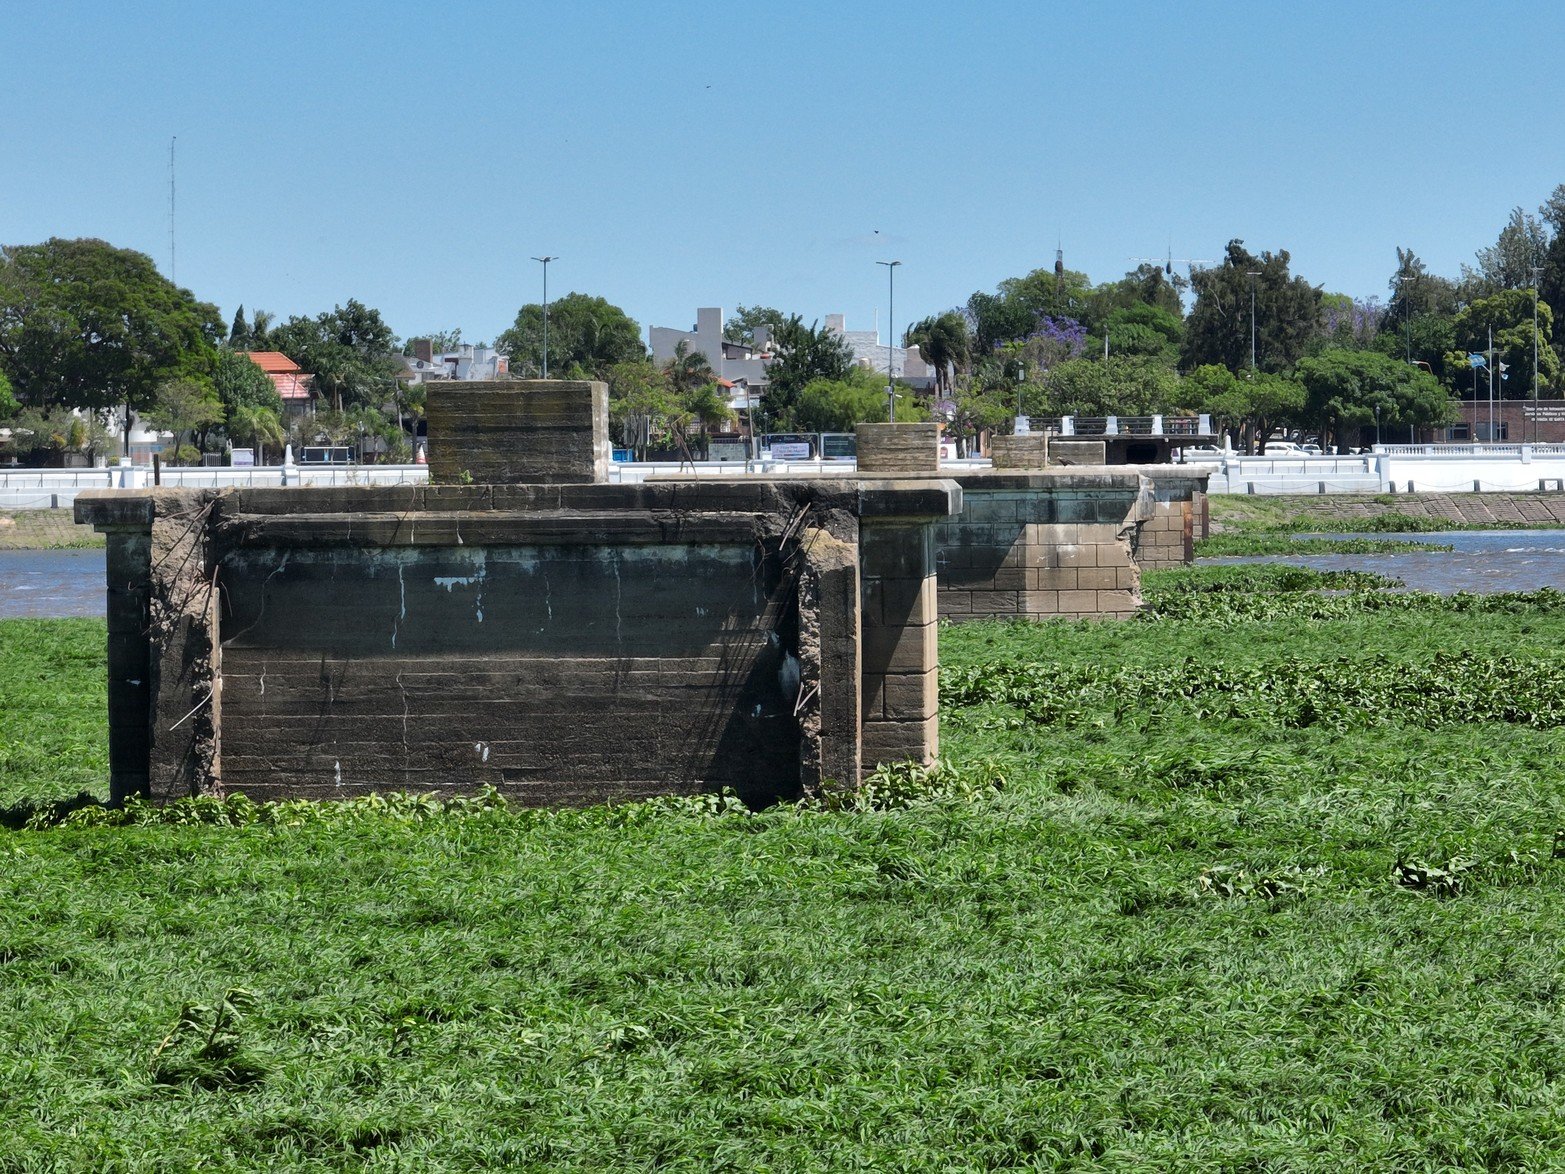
x=45 y=530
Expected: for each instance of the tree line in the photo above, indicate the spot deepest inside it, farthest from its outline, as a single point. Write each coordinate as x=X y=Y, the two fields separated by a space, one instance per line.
x=90 y=332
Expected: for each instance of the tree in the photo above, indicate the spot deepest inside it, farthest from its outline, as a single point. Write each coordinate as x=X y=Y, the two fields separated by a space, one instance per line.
x=639 y=400
x=1122 y=385
x=86 y=325
x=440 y=341
x=255 y=426
x=1015 y=310
x=9 y=405
x=1287 y=313
x=350 y=351
x=1345 y=388
x=238 y=332
x=1250 y=407
x=1144 y=331
x=238 y=382
x=741 y=327
x=803 y=353
x=976 y=408
x=838 y=405
x=688 y=369
x=183 y=407
x=1522 y=244
x=1507 y=316
x=944 y=343
x=587 y=336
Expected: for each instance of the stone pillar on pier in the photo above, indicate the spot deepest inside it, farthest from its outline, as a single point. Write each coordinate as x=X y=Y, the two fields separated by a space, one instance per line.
x=128 y=562
x=898 y=448
x=515 y=431
x=900 y=650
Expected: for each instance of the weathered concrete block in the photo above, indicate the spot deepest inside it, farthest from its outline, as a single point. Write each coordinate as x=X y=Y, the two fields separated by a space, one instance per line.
x=899 y=448
x=1077 y=452
x=1030 y=451
x=546 y=431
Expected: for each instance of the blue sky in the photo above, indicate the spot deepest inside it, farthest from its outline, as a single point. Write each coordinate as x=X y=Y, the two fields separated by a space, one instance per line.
x=414 y=156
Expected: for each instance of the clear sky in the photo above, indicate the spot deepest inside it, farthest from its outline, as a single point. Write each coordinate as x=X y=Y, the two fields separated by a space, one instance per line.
x=673 y=155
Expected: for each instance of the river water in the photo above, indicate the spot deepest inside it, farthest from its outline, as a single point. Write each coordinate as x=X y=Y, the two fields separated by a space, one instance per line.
x=48 y=584
x=1483 y=561
x=53 y=583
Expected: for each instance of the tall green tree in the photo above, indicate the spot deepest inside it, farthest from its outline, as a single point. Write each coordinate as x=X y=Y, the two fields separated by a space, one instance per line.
x=185 y=407
x=1350 y=389
x=803 y=353
x=1522 y=244
x=587 y=336
x=741 y=327
x=1250 y=407
x=944 y=343
x=1507 y=317
x=350 y=351
x=1287 y=313
x=86 y=325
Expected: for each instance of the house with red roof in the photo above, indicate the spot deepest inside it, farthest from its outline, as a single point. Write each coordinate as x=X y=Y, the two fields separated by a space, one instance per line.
x=292 y=382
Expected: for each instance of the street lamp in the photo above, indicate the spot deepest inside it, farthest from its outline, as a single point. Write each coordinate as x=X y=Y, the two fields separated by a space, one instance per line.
x=1253 y=275
x=545 y=261
x=1536 y=269
x=891 y=336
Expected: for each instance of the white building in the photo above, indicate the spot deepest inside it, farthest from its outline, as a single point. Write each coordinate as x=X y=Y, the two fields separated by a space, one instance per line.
x=740 y=367
x=465 y=362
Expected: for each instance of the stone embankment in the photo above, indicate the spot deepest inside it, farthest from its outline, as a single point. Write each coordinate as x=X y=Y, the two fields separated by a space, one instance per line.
x=1539 y=509
x=44 y=530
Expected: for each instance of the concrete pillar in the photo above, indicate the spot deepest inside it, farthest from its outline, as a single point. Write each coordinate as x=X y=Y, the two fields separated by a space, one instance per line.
x=519 y=431
x=900 y=650
x=831 y=663
x=899 y=448
x=128 y=561
x=1030 y=451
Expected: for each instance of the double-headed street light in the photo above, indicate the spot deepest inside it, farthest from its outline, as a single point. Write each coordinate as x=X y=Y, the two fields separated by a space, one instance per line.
x=891 y=337
x=545 y=261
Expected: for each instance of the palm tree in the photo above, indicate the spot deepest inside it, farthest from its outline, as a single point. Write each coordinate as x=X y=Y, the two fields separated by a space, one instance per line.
x=256 y=425
x=944 y=344
x=688 y=369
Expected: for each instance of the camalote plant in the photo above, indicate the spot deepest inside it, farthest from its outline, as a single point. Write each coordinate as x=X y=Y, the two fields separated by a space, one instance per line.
x=1207 y=888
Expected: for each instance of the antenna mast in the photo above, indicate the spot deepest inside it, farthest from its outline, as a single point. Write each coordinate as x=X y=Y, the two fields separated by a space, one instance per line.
x=171 y=269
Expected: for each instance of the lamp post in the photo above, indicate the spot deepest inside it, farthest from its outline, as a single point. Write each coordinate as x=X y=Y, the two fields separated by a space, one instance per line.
x=891 y=337
x=1536 y=269
x=545 y=262
x=1407 y=314
x=1253 y=275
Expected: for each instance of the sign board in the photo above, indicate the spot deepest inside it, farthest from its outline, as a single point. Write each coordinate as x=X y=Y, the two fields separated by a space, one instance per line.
x=839 y=446
x=790 y=446
x=1023 y=426
x=242 y=458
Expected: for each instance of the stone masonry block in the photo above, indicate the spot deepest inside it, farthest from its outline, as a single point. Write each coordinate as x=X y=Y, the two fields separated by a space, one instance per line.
x=899 y=448
x=915 y=741
x=544 y=431
x=1030 y=451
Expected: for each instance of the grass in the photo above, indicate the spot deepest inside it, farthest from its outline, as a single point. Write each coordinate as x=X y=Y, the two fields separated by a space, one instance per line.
x=1245 y=542
x=1383 y=513
x=1293 y=906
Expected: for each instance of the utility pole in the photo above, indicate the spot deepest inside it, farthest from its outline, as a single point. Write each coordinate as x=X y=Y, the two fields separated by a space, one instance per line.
x=891 y=337
x=545 y=261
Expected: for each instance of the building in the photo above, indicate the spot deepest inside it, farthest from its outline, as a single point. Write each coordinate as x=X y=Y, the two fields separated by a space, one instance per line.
x=293 y=383
x=464 y=362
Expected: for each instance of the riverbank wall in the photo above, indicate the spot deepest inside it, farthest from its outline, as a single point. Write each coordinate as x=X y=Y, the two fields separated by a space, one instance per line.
x=1475 y=509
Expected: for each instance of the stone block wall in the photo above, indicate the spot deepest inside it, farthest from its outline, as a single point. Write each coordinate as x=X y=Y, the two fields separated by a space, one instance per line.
x=900 y=643
x=1173 y=519
x=898 y=448
x=1077 y=452
x=510 y=431
x=1043 y=545
x=565 y=644
x=1028 y=451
